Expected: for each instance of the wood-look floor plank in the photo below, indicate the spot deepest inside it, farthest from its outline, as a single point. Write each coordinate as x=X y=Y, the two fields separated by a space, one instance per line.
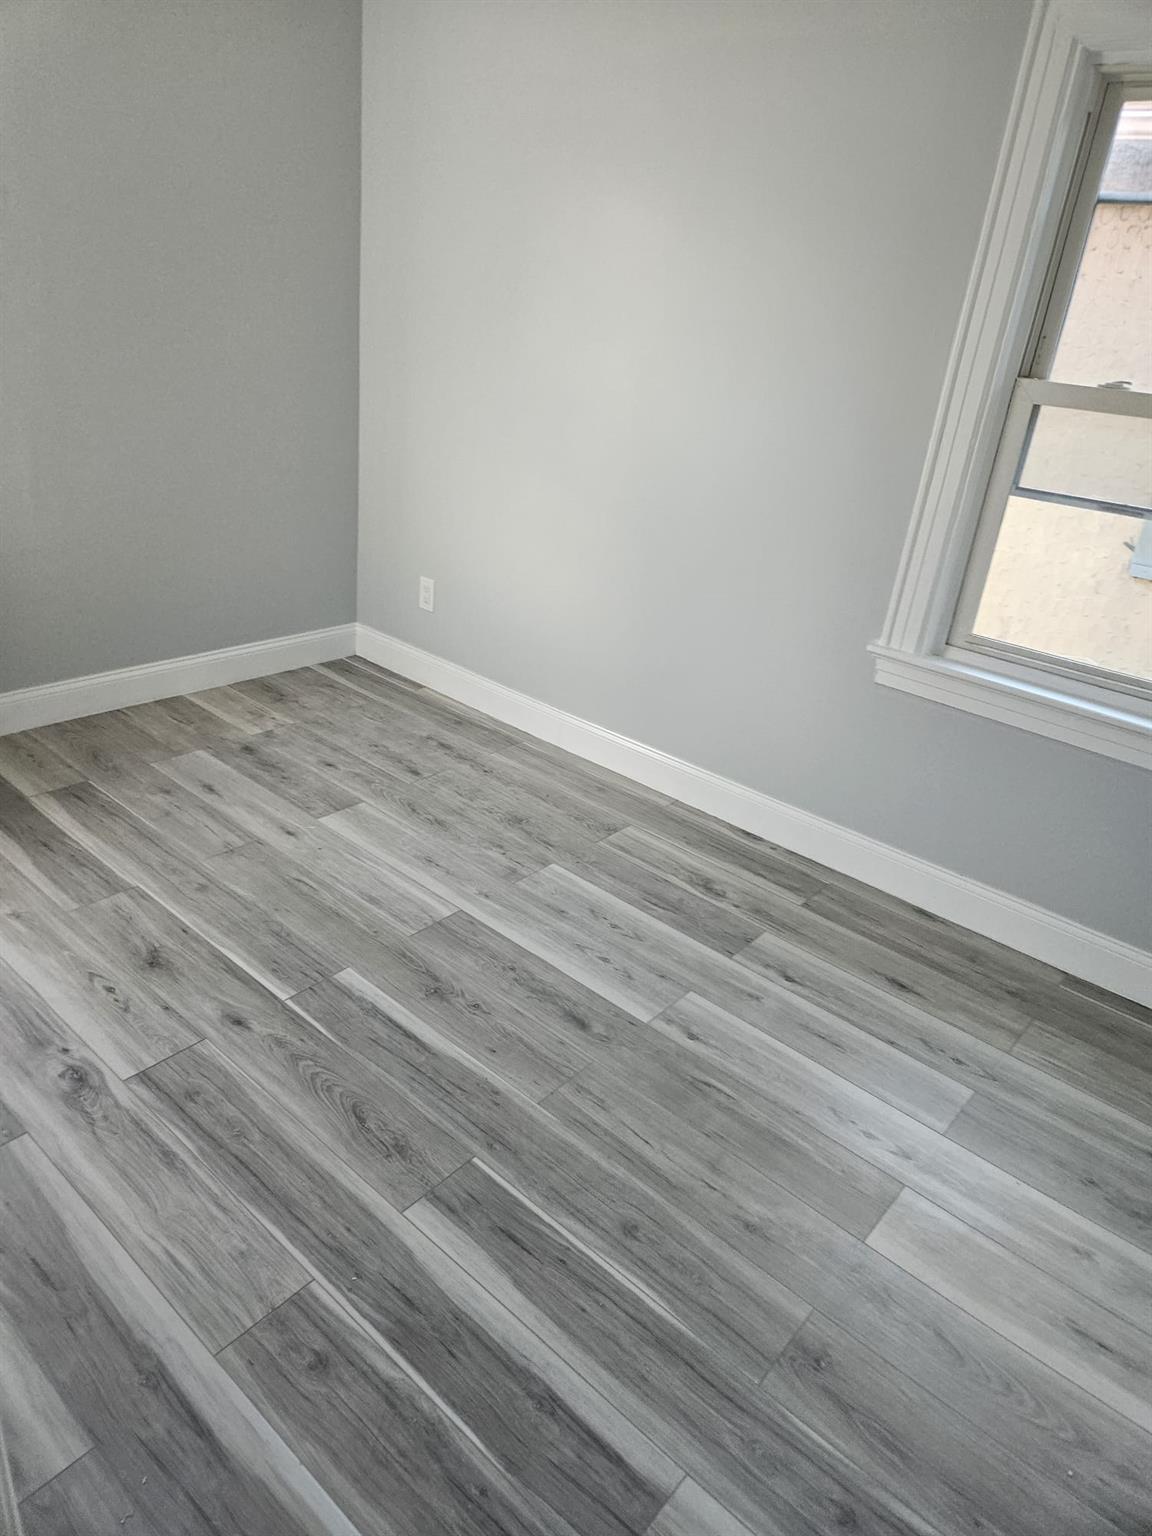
x=266 y=760
x=99 y=741
x=365 y=1427
x=732 y=849
x=1053 y=1425
x=955 y=952
x=550 y=1431
x=1092 y=1346
x=1086 y=991
x=186 y=1446
x=63 y=957
x=787 y=1149
x=608 y=791
x=41 y=1436
x=728 y=1438
x=741 y=1315
x=1101 y=1167
x=430 y=710
x=183 y=821
x=86 y=1499
x=32 y=767
x=532 y=1026
x=45 y=857
x=341 y=1098
x=692 y=1512
x=800 y=936
x=721 y=927
x=1113 y=1068
x=257 y=940
x=903 y=1438
x=183 y=1228
x=231 y=706
x=1050 y=1235
x=425 y=853
x=180 y=724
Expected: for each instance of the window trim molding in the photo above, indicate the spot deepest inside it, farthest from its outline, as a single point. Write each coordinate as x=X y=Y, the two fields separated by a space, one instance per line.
x=1056 y=90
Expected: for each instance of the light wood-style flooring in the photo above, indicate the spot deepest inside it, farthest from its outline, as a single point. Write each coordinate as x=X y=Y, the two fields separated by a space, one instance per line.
x=409 y=1129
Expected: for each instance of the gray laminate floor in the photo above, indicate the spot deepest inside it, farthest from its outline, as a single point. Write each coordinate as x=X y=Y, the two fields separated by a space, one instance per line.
x=409 y=1128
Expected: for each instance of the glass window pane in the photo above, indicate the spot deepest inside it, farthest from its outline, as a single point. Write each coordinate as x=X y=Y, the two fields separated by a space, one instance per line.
x=1107 y=332
x=1061 y=582
x=1089 y=454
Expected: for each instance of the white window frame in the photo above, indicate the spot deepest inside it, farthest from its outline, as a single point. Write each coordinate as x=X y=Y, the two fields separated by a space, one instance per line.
x=1069 y=53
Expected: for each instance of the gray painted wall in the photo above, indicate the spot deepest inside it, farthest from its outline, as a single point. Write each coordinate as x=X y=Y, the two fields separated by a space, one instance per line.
x=656 y=304
x=178 y=281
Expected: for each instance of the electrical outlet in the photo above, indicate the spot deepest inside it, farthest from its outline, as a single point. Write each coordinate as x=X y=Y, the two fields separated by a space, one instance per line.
x=427 y=593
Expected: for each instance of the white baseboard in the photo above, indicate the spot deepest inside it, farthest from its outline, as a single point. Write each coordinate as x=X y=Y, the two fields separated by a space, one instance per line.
x=1034 y=930
x=25 y=708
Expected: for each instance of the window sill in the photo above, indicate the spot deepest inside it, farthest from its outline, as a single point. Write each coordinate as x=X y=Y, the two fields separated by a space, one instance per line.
x=1117 y=732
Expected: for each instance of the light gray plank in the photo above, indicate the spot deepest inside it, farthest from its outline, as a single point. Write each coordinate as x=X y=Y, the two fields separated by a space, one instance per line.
x=610 y=792
x=721 y=927
x=180 y=724
x=1093 y=1347
x=393 y=1458
x=1112 y=1067
x=340 y=1097
x=85 y=1500
x=41 y=1436
x=531 y=1026
x=760 y=1463
x=280 y=960
x=733 y=849
x=1110 y=1000
x=692 y=1512
x=787 y=1149
x=561 y=1440
x=1050 y=1423
x=64 y=960
x=98 y=741
x=429 y=710
x=174 y=1432
x=431 y=856
x=231 y=706
x=46 y=858
x=796 y=934
x=266 y=760
x=183 y=821
x=1101 y=1167
x=1025 y=1220
x=32 y=767
x=197 y=1243
x=737 y=1312
x=903 y=1438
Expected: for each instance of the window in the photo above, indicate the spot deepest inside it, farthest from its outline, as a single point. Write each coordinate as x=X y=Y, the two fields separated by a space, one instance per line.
x=1025 y=590
x=1050 y=579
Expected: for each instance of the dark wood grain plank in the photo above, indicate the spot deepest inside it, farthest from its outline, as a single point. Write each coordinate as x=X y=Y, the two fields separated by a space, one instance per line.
x=63 y=958
x=723 y=1433
x=550 y=1431
x=32 y=767
x=257 y=940
x=391 y=1456
x=740 y=1314
x=1051 y=1424
x=85 y=1500
x=45 y=857
x=174 y=1432
x=197 y=1243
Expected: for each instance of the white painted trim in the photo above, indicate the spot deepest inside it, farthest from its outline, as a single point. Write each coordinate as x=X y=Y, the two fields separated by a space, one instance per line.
x=1036 y=931
x=25 y=708
x=1053 y=93
x=1122 y=734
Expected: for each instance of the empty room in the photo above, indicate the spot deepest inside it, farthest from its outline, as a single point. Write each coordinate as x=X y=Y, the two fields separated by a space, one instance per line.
x=575 y=746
